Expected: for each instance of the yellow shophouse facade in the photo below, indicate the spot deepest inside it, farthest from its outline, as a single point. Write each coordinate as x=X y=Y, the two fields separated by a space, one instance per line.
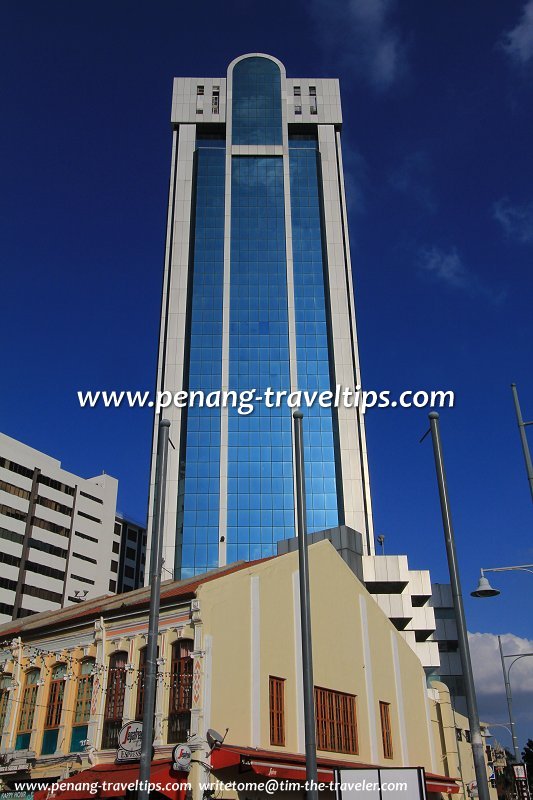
x=229 y=659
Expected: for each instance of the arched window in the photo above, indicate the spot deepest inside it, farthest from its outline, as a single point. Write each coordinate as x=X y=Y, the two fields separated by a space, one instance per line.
x=82 y=707
x=139 y=706
x=256 y=115
x=53 y=709
x=114 y=702
x=179 y=712
x=27 y=709
x=5 y=680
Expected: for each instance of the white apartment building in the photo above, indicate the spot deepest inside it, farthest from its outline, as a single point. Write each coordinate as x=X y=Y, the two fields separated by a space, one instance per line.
x=56 y=532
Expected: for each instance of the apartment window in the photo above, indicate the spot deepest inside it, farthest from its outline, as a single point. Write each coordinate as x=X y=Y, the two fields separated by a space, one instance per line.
x=312 y=100
x=11 y=536
x=468 y=738
x=43 y=569
x=179 y=712
x=92 y=497
x=54 y=505
x=82 y=707
x=116 y=547
x=53 y=709
x=118 y=529
x=82 y=579
x=15 y=490
x=45 y=547
x=17 y=468
x=42 y=594
x=336 y=721
x=139 y=706
x=114 y=704
x=199 y=99
x=50 y=526
x=6 y=609
x=6 y=583
x=112 y=586
x=14 y=513
x=114 y=566
x=57 y=485
x=132 y=535
x=215 y=105
x=129 y=572
x=130 y=553
x=89 y=516
x=276 y=694
x=86 y=536
x=5 y=680
x=7 y=558
x=386 y=731
x=297 y=91
x=27 y=709
x=85 y=558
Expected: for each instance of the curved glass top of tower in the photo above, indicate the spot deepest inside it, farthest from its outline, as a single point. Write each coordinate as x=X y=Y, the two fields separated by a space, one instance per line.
x=256 y=115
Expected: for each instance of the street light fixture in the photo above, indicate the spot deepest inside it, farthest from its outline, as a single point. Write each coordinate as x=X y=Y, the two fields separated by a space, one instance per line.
x=484 y=589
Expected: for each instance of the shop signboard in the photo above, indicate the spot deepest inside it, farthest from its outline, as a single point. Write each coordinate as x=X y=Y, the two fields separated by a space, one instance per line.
x=129 y=743
x=402 y=783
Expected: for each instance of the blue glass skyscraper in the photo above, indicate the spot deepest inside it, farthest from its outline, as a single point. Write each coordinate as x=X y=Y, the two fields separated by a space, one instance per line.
x=257 y=294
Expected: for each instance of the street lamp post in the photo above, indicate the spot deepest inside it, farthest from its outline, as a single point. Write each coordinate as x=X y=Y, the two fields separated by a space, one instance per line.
x=462 y=635
x=305 y=614
x=523 y=438
x=156 y=563
x=484 y=589
x=506 y=677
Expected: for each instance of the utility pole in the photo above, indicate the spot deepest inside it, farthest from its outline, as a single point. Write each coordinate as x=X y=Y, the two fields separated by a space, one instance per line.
x=509 y=698
x=305 y=614
x=523 y=438
x=462 y=635
x=156 y=563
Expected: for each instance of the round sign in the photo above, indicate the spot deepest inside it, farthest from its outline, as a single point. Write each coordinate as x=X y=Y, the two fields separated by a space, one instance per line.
x=130 y=737
x=181 y=756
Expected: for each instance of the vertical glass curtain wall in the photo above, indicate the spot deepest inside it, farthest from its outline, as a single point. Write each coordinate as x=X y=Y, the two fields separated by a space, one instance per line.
x=260 y=490
x=312 y=351
x=202 y=449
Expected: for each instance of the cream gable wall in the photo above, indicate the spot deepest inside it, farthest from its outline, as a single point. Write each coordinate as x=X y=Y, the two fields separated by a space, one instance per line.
x=239 y=671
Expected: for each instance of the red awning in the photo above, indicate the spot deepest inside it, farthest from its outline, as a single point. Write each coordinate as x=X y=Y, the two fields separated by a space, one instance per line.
x=441 y=784
x=116 y=778
x=291 y=766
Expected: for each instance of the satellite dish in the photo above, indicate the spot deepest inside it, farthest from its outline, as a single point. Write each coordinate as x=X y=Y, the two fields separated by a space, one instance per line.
x=214 y=738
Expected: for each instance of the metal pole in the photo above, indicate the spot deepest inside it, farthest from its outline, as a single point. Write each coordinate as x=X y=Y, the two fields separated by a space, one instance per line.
x=156 y=563
x=523 y=438
x=509 y=697
x=464 y=650
x=305 y=614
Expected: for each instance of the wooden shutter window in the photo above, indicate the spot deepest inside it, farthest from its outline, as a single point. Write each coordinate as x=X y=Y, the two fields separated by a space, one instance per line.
x=386 y=732
x=336 y=721
x=276 y=693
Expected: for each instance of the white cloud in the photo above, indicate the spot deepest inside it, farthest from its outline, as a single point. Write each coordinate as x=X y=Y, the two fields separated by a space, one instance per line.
x=488 y=677
x=360 y=33
x=448 y=267
x=445 y=266
x=516 y=220
x=518 y=42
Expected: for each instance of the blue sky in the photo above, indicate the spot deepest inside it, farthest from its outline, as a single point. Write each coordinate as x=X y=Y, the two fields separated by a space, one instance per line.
x=437 y=146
